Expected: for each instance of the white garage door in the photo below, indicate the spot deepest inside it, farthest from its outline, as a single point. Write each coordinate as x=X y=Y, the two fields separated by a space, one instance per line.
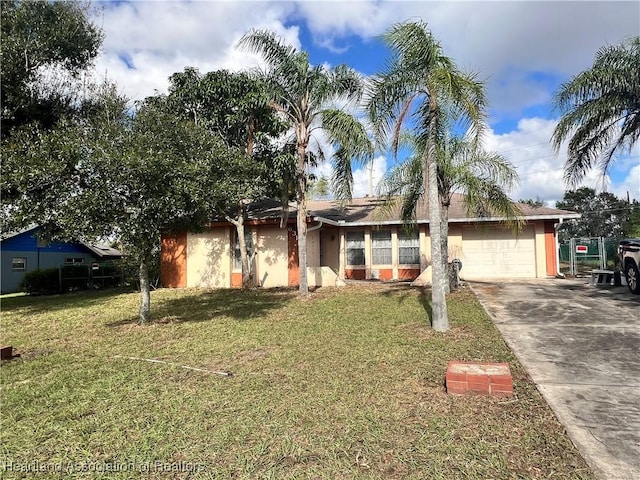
x=494 y=252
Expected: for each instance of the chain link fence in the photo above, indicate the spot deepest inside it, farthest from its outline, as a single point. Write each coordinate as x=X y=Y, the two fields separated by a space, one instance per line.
x=581 y=255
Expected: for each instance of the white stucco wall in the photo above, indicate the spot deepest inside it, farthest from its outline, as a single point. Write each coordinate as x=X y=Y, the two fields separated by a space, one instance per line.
x=208 y=259
x=455 y=242
x=272 y=257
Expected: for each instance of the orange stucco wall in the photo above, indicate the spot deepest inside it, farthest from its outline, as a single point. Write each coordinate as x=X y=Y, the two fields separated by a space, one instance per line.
x=353 y=274
x=408 y=273
x=550 y=248
x=236 y=280
x=385 y=274
x=173 y=259
x=293 y=264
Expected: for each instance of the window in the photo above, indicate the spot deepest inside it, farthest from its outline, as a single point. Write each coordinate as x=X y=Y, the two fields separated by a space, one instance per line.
x=381 y=247
x=408 y=247
x=355 y=248
x=74 y=260
x=248 y=238
x=18 y=264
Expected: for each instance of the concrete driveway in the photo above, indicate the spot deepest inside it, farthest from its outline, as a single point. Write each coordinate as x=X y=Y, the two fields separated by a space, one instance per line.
x=581 y=346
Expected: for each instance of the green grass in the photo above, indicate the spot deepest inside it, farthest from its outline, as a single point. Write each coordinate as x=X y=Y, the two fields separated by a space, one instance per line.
x=345 y=384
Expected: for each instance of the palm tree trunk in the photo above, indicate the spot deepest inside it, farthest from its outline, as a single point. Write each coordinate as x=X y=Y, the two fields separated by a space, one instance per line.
x=444 y=245
x=301 y=201
x=145 y=295
x=439 y=319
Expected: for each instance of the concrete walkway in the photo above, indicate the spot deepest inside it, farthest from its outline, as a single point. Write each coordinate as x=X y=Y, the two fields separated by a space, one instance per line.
x=581 y=346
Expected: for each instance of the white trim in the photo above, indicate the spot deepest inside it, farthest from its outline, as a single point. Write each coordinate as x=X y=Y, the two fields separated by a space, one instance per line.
x=502 y=219
x=344 y=223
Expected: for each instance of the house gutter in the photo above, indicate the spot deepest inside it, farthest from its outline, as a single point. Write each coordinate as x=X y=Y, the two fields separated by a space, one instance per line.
x=325 y=220
x=556 y=227
x=344 y=223
x=315 y=227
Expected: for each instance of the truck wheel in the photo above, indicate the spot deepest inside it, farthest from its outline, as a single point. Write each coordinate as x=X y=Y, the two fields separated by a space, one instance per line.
x=633 y=278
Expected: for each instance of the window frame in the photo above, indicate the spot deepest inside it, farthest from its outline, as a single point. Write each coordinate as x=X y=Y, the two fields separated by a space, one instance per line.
x=15 y=261
x=350 y=248
x=414 y=237
x=381 y=248
x=73 y=260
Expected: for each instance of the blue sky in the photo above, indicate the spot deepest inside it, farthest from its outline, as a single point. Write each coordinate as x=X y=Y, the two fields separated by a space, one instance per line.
x=523 y=51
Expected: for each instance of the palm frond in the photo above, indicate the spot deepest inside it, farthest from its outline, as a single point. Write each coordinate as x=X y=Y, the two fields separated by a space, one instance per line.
x=403 y=185
x=345 y=82
x=485 y=197
x=269 y=46
x=352 y=143
x=599 y=108
x=342 y=178
x=386 y=100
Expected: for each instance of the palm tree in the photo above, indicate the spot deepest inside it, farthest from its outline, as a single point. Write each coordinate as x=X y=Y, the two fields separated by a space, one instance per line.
x=303 y=94
x=483 y=177
x=423 y=85
x=601 y=110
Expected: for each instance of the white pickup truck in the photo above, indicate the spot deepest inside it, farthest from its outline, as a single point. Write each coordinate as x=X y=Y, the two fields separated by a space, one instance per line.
x=629 y=251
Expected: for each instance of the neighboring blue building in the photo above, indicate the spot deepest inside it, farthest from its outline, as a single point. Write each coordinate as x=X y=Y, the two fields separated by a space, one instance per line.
x=22 y=252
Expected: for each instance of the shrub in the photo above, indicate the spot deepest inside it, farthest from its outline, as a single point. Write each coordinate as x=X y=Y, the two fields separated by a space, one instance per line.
x=41 y=282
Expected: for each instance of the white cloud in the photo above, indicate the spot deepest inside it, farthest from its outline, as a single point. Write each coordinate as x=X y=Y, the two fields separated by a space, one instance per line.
x=538 y=35
x=161 y=38
x=503 y=41
x=541 y=171
x=528 y=148
x=558 y=38
x=331 y=20
x=367 y=177
x=630 y=185
x=517 y=46
x=489 y=37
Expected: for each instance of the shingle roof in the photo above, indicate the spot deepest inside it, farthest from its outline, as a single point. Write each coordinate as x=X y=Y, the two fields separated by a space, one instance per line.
x=102 y=250
x=369 y=210
x=262 y=209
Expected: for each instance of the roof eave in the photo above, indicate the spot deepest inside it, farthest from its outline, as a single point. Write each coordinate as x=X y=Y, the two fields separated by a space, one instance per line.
x=344 y=223
x=526 y=217
x=9 y=235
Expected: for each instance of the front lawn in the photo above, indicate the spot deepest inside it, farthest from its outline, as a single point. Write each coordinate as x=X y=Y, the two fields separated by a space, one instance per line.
x=345 y=384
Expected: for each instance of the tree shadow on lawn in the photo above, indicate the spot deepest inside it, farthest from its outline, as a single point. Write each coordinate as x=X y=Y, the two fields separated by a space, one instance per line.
x=36 y=304
x=209 y=305
x=426 y=302
x=403 y=291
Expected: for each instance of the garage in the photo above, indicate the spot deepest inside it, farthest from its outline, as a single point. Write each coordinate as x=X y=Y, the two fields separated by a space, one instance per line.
x=494 y=252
